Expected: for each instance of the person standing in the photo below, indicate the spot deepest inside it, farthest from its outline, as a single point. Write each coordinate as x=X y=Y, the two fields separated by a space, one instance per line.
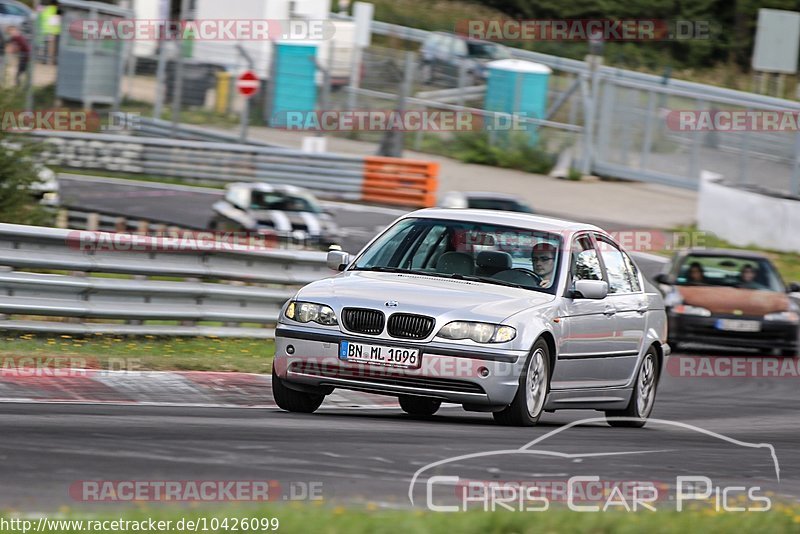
x=49 y=29
x=22 y=47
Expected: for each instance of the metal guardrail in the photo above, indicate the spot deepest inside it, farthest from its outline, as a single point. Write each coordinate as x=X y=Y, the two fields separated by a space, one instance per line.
x=149 y=127
x=215 y=283
x=94 y=221
x=331 y=175
x=342 y=177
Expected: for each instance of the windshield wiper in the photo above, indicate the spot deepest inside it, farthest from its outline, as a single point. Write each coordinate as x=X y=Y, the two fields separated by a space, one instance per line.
x=382 y=269
x=488 y=280
x=454 y=276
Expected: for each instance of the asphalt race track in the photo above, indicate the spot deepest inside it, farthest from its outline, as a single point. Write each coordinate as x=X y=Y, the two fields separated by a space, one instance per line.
x=190 y=207
x=721 y=427
x=371 y=455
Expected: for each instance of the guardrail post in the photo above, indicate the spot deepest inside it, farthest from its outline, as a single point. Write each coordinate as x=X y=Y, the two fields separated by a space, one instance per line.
x=93 y=222
x=62 y=219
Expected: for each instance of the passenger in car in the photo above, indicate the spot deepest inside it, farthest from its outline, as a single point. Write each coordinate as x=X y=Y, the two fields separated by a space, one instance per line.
x=747 y=278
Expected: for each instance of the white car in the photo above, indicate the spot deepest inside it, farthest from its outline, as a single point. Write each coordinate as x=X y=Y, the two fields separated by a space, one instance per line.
x=500 y=312
x=46 y=189
x=286 y=210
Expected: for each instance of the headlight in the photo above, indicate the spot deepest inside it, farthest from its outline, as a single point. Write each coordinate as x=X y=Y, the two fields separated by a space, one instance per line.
x=477 y=332
x=785 y=316
x=686 y=309
x=306 y=312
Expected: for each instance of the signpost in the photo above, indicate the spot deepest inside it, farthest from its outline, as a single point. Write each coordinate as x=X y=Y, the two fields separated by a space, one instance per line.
x=247 y=84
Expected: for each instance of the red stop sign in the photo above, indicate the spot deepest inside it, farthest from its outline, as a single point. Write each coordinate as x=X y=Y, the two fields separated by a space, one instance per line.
x=247 y=83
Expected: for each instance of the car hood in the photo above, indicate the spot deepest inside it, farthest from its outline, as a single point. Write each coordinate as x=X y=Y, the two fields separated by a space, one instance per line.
x=426 y=295
x=733 y=300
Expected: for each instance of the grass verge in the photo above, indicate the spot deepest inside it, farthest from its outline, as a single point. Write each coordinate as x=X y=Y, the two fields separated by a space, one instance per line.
x=150 y=353
x=310 y=519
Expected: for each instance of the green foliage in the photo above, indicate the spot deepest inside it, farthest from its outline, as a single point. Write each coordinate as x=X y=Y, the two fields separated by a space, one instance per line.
x=508 y=151
x=574 y=175
x=511 y=152
x=18 y=173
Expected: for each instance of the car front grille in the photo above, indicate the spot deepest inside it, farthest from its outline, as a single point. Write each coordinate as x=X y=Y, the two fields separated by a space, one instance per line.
x=410 y=326
x=363 y=321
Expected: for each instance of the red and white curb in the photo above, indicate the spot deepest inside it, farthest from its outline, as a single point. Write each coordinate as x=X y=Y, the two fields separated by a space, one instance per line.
x=159 y=388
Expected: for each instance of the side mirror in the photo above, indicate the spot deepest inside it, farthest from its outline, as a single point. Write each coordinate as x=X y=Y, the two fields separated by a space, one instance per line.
x=337 y=260
x=590 y=289
x=663 y=278
x=794 y=287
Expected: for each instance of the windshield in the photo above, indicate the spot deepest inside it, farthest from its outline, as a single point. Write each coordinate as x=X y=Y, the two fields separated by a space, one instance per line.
x=263 y=200
x=482 y=252
x=731 y=271
x=487 y=50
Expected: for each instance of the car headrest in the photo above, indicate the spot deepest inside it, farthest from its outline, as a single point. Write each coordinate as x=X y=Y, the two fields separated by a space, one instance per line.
x=455 y=263
x=490 y=259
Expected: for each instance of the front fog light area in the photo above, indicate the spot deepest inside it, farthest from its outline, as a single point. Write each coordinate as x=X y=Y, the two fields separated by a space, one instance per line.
x=477 y=332
x=306 y=312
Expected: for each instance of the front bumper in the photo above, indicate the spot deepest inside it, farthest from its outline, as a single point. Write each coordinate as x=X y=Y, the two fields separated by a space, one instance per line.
x=771 y=335
x=448 y=372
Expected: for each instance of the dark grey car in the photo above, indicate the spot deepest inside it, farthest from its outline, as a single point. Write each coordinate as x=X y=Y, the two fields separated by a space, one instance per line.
x=442 y=55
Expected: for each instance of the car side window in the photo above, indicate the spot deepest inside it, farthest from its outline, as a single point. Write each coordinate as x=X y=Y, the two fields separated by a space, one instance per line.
x=585 y=263
x=619 y=276
x=633 y=272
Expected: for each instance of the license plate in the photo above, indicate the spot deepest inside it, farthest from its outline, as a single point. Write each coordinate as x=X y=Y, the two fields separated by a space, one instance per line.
x=738 y=325
x=379 y=354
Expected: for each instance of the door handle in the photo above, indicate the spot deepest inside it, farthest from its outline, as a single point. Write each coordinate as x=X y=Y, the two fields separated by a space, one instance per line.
x=642 y=309
x=610 y=311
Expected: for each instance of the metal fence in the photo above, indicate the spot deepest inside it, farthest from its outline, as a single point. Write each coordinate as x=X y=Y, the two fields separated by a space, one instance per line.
x=613 y=121
x=635 y=138
x=214 y=289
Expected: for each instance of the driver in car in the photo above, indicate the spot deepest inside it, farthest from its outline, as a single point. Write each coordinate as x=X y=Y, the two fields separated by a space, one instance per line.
x=543 y=258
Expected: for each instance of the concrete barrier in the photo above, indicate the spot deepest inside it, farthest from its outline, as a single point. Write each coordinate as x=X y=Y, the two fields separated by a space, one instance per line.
x=746 y=217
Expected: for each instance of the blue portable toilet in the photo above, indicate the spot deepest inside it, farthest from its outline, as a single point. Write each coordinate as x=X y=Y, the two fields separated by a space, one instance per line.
x=517 y=86
x=294 y=79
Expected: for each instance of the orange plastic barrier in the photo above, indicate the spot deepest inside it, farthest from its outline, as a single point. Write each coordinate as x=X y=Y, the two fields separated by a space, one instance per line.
x=400 y=182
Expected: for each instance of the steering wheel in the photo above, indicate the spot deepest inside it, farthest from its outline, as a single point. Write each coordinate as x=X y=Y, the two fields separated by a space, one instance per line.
x=536 y=278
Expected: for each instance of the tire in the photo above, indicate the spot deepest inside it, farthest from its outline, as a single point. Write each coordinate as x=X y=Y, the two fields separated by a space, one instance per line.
x=291 y=400
x=643 y=397
x=526 y=409
x=419 y=406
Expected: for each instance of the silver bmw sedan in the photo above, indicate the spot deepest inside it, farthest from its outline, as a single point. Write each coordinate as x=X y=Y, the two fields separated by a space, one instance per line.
x=501 y=312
